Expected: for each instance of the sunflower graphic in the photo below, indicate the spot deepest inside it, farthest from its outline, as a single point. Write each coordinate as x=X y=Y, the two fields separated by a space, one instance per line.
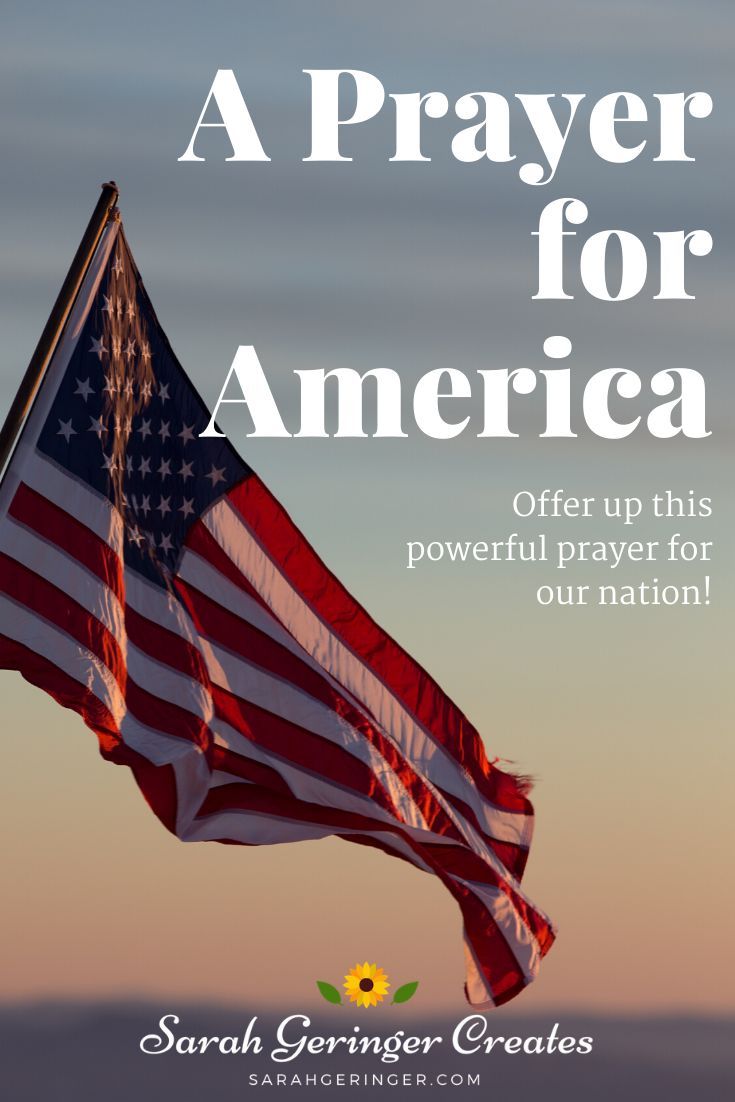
x=366 y=984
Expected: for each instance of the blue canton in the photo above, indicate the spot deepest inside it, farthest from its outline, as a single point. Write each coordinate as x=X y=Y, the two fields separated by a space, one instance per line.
x=126 y=420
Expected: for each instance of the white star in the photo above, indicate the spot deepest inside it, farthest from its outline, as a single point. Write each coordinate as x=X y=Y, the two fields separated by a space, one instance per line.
x=116 y=344
x=98 y=348
x=135 y=536
x=107 y=307
x=186 y=471
x=165 y=469
x=108 y=463
x=97 y=426
x=187 y=508
x=151 y=539
x=217 y=474
x=145 y=505
x=186 y=434
x=129 y=349
x=166 y=544
x=145 y=429
x=164 y=506
x=163 y=393
x=118 y=308
x=145 y=351
x=66 y=430
x=109 y=387
x=145 y=390
x=131 y=309
x=164 y=432
x=144 y=468
x=129 y=464
x=117 y=266
x=84 y=389
x=128 y=388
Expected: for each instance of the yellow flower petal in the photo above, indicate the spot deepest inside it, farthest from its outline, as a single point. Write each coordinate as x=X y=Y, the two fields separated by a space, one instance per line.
x=378 y=980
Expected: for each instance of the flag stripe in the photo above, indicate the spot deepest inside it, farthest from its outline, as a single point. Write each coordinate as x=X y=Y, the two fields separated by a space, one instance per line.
x=35 y=511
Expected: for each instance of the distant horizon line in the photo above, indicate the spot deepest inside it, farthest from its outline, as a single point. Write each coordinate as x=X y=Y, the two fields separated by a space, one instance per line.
x=181 y=1003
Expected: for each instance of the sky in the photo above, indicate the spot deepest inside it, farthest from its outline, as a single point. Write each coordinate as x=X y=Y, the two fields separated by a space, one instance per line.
x=624 y=716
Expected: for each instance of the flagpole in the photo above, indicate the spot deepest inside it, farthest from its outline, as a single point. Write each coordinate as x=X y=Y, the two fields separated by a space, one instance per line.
x=57 y=320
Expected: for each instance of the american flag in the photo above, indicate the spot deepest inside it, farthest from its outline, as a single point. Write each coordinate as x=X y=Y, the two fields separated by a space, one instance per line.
x=150 y=582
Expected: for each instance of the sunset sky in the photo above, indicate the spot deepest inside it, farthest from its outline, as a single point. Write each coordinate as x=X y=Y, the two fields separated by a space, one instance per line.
x=624 y=716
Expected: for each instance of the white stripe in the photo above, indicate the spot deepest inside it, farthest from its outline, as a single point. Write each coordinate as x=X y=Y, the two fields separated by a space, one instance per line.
x=265 y=828
x=50 y=642
x=424 y=754
x=219 y=778
x=254 y=828
x=99 y=601
x=65 y=572
x=32 y=631
x=521 y=940
x=201 y=575
x=76 y=498
x=169 y=684
x=478 y=992
x=306 y=786
x=193 y=778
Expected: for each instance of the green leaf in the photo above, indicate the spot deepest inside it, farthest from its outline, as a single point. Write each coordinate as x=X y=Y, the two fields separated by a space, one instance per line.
x=331 y=994
x=403 y=994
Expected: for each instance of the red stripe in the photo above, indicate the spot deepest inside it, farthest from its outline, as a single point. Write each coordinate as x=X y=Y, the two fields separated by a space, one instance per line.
x=56 y=525
x=493 y=955
x=301 y=747
x=49 y=602
x=513 y=855
x=153 y=638
x=254 y=771
x=419 y=693
x=164 y=716
x=64 y=531
x=202 y=543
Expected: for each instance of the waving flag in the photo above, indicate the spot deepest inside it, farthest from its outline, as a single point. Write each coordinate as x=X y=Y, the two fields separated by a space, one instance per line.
x=150 y=582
